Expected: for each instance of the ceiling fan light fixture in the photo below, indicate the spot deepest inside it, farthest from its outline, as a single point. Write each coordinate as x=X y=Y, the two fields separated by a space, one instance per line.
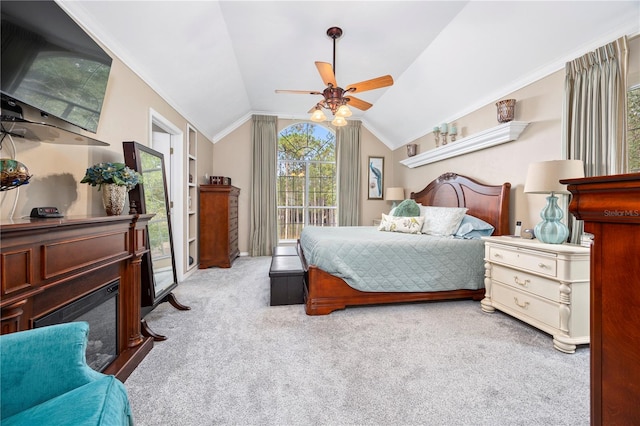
x=318 y=116
x=335 y=97
x=339 y=121
x=343 y=111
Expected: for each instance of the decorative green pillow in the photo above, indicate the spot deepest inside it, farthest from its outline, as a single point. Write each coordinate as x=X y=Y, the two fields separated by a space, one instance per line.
x=407 y=208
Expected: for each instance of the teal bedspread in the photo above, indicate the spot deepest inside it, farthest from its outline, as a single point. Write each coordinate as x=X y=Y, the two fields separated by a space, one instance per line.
x=372 y=260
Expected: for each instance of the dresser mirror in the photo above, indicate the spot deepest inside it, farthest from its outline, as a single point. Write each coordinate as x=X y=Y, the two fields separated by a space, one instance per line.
x=159 y=276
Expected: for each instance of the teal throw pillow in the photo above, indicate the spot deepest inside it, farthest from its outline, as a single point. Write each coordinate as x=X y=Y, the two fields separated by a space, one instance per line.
x=407 y=208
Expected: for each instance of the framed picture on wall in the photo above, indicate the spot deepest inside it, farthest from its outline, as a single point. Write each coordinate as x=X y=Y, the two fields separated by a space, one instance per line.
x=376 y=178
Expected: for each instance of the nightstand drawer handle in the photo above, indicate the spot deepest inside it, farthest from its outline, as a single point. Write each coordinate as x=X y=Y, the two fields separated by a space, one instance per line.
x=524 y=305
x=497 y=255
x=524 y=283
x=542 y=265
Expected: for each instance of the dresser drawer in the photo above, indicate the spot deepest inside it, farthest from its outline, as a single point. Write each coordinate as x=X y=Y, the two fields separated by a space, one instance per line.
x=233 y=225
x=526 y=282
x=233 y=244
x=523 y=259
x=527 y=304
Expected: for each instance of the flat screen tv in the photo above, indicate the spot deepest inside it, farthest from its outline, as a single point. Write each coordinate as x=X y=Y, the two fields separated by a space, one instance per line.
x=53 y=73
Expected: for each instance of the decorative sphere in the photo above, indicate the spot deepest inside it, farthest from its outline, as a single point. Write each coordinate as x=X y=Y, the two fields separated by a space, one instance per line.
x=12 y=173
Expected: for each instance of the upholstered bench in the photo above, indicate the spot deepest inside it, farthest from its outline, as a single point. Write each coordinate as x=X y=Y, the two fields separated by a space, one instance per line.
x=285 y=251
x=287 y=279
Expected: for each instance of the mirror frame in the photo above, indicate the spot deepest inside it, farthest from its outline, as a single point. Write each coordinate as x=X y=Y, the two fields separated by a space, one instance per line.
x=149 y=297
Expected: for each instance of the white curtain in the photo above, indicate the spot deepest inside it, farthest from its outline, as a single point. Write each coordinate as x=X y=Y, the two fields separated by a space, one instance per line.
x=348 y=147
x=595 y=113
x=264 y=214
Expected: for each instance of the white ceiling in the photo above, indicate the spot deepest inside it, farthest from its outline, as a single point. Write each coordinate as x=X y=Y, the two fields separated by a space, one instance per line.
x=219 y=62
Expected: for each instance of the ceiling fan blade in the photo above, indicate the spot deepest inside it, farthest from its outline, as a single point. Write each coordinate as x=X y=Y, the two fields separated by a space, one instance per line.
x=326 y=72
x=300 y=92
x=358 y=103
x=374 y=83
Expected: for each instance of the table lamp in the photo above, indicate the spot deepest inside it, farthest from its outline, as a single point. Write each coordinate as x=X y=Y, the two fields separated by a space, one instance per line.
x=395 y=194
x=543 y=178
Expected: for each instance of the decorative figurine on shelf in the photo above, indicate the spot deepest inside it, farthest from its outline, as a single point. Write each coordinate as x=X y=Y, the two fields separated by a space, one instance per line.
x=444 y=129
x=436 y=134
x=453 y=131
x=412 y=149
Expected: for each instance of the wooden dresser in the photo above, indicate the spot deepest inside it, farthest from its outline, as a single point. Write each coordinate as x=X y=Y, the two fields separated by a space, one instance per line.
x=610 y=208
x=218 y=225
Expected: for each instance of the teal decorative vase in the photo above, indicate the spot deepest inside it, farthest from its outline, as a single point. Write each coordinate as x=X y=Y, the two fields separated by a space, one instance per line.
x=551 y=230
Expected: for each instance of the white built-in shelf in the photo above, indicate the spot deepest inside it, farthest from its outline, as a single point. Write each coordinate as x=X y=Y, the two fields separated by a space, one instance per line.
x=503 y=133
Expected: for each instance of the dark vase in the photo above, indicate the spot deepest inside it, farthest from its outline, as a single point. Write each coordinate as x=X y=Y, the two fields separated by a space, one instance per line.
x=506 y=110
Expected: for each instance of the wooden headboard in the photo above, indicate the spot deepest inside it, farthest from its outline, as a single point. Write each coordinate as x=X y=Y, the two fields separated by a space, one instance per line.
x=487 y=202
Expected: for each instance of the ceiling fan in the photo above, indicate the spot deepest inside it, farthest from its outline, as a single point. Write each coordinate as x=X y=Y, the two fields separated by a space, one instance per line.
x=336 y=98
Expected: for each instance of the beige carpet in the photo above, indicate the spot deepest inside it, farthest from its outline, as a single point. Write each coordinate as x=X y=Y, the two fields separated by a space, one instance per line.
x=233 y=359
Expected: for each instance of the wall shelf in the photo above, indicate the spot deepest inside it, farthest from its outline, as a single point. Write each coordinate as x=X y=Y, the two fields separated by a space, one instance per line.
x=503 y=133
x=191 y=250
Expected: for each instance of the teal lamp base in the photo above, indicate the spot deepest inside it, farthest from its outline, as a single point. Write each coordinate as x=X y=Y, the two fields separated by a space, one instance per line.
x=551 y=230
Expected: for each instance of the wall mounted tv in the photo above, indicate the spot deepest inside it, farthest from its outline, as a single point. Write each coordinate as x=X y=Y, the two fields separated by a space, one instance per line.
x=54 y=75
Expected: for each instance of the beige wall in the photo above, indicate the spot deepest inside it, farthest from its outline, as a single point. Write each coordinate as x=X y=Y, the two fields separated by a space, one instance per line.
x=232 y=158
x=540 y=104
x=57 y=168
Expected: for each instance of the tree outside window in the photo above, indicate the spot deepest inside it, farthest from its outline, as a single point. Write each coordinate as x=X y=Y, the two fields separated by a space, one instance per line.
x=306 y=184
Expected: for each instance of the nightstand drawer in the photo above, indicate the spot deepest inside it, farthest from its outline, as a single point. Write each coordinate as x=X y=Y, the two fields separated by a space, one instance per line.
x=522 y=259
x=526 y=282
x=526 y=304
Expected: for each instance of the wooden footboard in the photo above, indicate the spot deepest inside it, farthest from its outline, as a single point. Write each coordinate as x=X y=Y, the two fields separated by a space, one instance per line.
x=325 y=293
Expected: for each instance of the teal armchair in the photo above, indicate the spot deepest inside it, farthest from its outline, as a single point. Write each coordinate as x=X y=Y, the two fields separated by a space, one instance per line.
x=45 y=380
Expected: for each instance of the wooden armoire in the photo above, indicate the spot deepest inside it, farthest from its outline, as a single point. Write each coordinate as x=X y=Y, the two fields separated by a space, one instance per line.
x=610 y=208
x=218 y=225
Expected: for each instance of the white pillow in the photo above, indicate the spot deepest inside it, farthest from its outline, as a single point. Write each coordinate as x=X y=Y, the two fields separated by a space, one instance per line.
x=406 y=224
x=442 y=221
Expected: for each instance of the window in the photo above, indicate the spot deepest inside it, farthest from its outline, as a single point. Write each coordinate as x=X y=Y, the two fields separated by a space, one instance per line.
x=306 y=183
x=633 y=129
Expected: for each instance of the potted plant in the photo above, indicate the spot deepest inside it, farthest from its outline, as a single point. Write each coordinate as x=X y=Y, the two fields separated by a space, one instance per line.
x=115 y=180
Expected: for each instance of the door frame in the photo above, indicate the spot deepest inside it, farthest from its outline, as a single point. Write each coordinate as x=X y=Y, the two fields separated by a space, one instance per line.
x=176 y=173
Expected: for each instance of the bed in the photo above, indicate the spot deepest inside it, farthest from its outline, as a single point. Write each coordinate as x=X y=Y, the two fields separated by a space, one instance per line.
x=325 y=293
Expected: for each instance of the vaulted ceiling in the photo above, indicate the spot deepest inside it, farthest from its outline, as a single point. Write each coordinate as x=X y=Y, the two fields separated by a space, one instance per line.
x=219 y=62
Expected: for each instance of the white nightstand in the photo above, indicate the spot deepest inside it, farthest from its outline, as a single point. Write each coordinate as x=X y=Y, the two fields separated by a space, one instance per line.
x=544 y=285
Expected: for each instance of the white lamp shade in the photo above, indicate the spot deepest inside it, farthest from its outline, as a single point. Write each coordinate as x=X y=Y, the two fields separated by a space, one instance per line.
x=395 y=194
x=544 y=177
x=339 y=121
x=343 y=111
x=318 y=116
